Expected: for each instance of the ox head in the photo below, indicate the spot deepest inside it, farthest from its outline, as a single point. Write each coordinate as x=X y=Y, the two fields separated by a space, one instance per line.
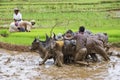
x=103 y=37
x=38 y=45
x=35 y=44
x=51 y=42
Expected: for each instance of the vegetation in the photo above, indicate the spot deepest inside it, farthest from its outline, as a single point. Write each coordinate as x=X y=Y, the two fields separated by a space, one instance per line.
x=95 y=15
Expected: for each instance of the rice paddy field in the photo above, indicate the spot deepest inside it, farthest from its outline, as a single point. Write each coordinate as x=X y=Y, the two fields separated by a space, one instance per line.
x=95 y=15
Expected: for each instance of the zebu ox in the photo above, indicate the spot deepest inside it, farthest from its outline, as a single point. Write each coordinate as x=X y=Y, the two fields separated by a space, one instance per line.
x=48 y=49
x=98 y=44
x=69 y=50
x=51 y=49
x=95 y=44
x=42 y=48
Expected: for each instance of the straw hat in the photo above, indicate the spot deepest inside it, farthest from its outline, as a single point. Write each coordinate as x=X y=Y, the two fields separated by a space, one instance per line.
x=16 y=9
x=68 y=36
x=32 y=21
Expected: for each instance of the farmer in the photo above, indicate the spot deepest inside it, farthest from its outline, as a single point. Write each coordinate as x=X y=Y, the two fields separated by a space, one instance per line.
x=69 y=42
x=17 y=16
x=81 y=50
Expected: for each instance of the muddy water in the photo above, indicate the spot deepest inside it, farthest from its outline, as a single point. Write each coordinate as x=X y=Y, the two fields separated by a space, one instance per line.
x=25 y=66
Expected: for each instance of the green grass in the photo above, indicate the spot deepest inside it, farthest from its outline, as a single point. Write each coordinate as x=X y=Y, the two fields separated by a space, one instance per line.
x=68 y=14
x=26 y=38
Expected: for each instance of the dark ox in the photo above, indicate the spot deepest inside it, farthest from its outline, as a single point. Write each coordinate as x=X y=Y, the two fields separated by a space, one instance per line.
x=48 y=49
x=98 y=44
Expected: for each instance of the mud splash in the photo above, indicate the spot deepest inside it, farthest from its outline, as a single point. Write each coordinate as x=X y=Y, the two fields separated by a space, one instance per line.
x=25 y=66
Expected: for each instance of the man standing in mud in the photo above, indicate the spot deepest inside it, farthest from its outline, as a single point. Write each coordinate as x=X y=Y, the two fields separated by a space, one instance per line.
x=81 y=50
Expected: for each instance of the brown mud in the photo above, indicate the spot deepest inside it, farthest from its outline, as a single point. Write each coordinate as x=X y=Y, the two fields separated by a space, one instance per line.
x=17 y=65
x=23 y=48
x=14 y=47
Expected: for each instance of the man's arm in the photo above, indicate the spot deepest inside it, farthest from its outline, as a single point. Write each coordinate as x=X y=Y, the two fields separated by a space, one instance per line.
x=28 y=26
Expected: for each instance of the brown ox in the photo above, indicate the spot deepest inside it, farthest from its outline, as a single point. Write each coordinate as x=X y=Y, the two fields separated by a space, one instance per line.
x=96 y=44
x=49 y=50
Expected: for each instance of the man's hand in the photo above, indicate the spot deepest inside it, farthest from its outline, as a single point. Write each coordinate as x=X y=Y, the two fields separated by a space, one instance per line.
x=16 y=24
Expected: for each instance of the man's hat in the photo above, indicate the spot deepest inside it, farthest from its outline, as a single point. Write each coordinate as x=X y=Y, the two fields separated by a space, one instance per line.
x=68 y=36
x=16 y=9
x=32 y=21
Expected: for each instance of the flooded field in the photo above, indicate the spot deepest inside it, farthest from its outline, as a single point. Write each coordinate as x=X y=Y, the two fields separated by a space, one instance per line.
x=25 y=66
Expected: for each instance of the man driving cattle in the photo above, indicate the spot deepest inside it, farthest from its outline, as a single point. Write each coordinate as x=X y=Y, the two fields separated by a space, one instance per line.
x=81 y=50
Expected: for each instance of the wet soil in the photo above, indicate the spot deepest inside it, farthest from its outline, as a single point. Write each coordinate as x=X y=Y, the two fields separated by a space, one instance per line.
x=14 y=47
x=22 y=48
x=15 y=65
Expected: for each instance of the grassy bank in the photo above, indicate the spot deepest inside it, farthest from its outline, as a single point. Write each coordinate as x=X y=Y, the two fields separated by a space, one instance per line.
x=26 y=38
x=95 y=15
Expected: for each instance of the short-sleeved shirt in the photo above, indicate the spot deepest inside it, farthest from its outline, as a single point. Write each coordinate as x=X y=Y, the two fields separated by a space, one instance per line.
x=17 y=17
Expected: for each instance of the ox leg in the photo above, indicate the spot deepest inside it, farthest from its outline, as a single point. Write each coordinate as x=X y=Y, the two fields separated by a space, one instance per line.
x=54 y=58
x=80 y=56
x=102 y=52
x=59 y=58
x=94 y=57
x=65 y=59
x=45 y=58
